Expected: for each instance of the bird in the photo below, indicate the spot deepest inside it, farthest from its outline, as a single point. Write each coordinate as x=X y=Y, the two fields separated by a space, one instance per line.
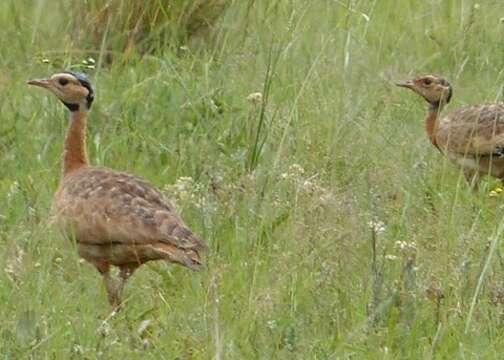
x=472 y=136
x=115 y=218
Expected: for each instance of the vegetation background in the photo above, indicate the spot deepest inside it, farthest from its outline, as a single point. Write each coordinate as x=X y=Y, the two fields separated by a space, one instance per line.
x=336 y=230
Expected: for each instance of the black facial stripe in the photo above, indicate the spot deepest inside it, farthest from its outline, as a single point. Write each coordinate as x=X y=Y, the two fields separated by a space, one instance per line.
x=450 y=89
x=450 y=93
x=90 y=96
x=71 y=107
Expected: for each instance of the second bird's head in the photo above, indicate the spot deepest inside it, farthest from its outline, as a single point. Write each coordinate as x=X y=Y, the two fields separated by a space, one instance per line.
x=435 y=90
x=72 y=88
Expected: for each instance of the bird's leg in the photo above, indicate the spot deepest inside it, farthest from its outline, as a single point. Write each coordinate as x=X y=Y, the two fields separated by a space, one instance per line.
x=110 y=285
x=124 y=274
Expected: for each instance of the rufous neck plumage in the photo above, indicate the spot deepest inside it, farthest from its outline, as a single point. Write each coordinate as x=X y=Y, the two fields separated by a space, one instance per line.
x=431 y=122
x=75 y=154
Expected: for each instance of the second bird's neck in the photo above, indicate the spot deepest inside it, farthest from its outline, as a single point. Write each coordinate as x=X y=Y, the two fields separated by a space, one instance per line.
x=75 y=154
x=431 y=123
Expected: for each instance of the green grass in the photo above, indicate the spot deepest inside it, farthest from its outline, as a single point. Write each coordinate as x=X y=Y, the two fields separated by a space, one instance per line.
x=285 y=192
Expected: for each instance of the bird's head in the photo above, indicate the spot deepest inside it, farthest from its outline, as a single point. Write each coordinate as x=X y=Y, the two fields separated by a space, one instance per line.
x=72 y=88
x=437 y=91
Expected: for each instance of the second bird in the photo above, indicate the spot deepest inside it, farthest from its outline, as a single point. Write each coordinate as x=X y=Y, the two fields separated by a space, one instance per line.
x=117 y=219
x=472 y=136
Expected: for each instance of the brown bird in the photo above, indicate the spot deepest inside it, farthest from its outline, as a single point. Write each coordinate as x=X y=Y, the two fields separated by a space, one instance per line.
x=115 y=218
x=472 y=136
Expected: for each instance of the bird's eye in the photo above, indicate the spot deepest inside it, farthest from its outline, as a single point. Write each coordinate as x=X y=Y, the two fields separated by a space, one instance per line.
x=63 y=81
x=427 y=81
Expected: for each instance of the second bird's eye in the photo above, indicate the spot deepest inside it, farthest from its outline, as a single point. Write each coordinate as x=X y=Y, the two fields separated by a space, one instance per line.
x=427 y=81
x=63 y=81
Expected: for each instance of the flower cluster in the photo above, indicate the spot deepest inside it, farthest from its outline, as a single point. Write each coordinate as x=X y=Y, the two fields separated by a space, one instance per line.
x=495 y=192
x=377 y=226
x=255 y=98
x=14 y=264
x=186 y=190
x=306 y=185
x=13 y=190
x=406 y=246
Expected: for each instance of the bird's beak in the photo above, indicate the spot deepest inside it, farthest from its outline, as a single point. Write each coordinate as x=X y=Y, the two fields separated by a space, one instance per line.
x=406 y=84
x=44 y=83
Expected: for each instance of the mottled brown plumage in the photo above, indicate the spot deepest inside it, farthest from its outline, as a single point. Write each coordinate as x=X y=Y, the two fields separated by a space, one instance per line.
x=472 y=137
x=116 y=219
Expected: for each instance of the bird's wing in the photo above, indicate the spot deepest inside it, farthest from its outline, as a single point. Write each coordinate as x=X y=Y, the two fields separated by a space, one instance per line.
x=106 y=206
x=474 y=130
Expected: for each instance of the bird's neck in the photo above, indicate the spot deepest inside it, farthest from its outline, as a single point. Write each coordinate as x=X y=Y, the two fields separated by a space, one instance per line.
x=75 y=154
x=431 y=122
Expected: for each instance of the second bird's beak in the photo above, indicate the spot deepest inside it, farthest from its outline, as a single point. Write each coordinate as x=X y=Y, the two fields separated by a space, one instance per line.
x=406 y=84
x=44 y=83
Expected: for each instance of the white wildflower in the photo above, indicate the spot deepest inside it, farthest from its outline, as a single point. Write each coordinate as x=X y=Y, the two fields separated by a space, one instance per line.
x=308 y=186
x=401 y=244
x=255 y=97
x=78 y=349
x=271 y=324
x=14 y=264
x=377 y=226
x=31 y=211
x=144 y=327
x=13 y=190
x=296 y=169
x=183 y=187
x=405 y=246
x=104 y=329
